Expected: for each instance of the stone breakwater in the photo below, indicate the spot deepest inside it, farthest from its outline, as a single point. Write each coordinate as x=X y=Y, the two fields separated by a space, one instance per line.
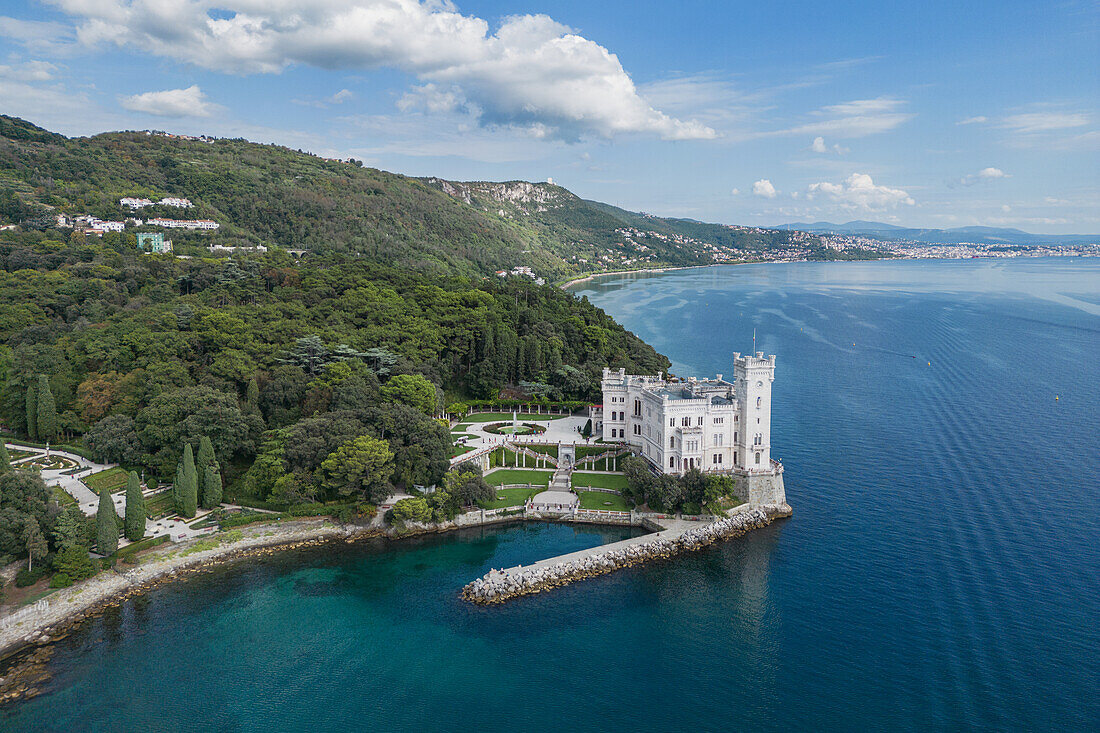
x=498 y=586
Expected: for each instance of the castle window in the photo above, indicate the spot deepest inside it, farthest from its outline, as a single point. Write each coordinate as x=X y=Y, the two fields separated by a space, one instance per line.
x=672 y=422
x=700 y=421
x=637 y=429
x=758 y=399
x=758 y=459
x=637 y=408
x=734 y=436
x=672 y=462
x=685 y=422
x=716 y=458
x=672 y=442
x=719 y=420
x=718 y=439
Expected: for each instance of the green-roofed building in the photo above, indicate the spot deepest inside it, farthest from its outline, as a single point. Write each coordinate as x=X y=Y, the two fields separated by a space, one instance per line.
x=153 y=242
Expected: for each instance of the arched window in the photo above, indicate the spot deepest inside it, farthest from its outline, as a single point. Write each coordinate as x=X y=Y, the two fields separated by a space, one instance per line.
x=672 y=462
x=758 y=459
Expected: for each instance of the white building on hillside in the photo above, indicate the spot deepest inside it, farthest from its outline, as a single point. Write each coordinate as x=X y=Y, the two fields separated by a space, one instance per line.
x=133 y=203
x=714 y=425
x=177 y=202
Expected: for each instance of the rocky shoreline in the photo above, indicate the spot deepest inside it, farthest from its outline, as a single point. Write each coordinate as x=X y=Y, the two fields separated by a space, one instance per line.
x=499 y=586
x=24 y=643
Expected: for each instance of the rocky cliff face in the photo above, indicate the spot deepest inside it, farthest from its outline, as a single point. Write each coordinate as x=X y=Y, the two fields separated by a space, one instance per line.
x=507 y=198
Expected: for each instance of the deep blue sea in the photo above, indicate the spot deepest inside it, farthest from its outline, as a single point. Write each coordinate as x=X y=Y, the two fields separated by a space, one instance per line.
x=939 y=422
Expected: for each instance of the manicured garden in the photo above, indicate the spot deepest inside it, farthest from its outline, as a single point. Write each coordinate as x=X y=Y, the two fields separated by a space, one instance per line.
x=159 y=504
x=460 y=449
x=509 y=497
x=616 y=481
x=498 y=416
x=602 y=500
x=519 y=476
x=113 y=479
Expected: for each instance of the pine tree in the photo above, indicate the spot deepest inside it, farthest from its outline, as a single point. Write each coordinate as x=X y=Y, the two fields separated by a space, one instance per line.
x=189 y=492
x=212 y=487
x=106 y=524
x=33 y=541
x=135 y=509
x=252 y=393
x=46 y=415
x=5 y=458
x=204 y=458
x=32 y=413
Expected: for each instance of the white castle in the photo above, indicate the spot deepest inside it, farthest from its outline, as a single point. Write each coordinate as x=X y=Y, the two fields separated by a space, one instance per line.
x=714 y=425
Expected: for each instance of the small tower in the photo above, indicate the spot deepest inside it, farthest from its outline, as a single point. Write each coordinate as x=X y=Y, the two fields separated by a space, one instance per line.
x=753 y=377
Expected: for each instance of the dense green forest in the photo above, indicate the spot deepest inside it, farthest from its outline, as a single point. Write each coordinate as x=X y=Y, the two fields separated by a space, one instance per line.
x=275 y=196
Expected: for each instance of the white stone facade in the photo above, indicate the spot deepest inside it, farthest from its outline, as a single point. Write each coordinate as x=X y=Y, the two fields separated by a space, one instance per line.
x=715 y=425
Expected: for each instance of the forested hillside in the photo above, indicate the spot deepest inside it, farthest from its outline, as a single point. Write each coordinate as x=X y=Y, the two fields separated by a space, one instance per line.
x=273 y=196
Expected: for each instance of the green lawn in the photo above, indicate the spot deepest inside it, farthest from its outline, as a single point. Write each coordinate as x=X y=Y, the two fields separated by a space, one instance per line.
x=62 y=497
x=159 y=503
x=459 y=428
x=519 y=476
x=15 y=454
x=615 y=481
x=113 y=478
x=460 y=449
x=500 y=416
x=600 y=500
x=509 y=497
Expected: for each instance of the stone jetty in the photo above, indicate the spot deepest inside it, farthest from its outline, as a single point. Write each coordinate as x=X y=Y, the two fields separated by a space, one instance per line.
x=498 y=586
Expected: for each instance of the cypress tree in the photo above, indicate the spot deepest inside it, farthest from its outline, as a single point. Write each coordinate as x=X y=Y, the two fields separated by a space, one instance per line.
x=252 y=393
x=212 y=487
x=189 y=492
x=106 y=524
x=177 y=488
x=46 y=416
x=32 y=413
x=204 y=458
x=5 y=458
x=135 y=509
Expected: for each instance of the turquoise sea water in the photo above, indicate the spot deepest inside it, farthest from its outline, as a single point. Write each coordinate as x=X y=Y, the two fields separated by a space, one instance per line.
x=941 y=571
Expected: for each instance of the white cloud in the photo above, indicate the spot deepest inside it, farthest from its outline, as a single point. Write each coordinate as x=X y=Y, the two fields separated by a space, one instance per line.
x=858 y=118
x=189 y=102
x=764 y=188
x=1032 y=122
x=532 y=72
x=819 y=146
x=29 y=71
x=985 y=174
x=735 y=192
x=858 y=191
x=341 y=96
x=1006 y=208
x=977 y=120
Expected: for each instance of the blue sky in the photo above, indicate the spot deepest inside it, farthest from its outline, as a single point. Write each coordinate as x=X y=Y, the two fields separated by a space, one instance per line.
x=932 y=114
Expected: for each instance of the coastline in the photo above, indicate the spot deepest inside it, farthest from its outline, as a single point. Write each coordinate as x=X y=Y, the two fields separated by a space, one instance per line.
x=27 y=634
x=586 y=278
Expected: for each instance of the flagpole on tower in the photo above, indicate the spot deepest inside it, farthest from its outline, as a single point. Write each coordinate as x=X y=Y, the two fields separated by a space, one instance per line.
x=754 y=342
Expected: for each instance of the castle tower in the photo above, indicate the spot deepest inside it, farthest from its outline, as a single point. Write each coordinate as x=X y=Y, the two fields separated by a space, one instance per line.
x=762 y=481
x=753 y=377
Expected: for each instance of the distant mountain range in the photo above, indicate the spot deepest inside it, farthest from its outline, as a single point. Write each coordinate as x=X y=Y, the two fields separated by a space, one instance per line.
x=975 y=235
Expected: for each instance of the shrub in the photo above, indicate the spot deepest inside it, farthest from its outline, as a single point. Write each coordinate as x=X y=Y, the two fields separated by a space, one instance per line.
x=75 y=563
x=60 y=580
x=29 y=577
